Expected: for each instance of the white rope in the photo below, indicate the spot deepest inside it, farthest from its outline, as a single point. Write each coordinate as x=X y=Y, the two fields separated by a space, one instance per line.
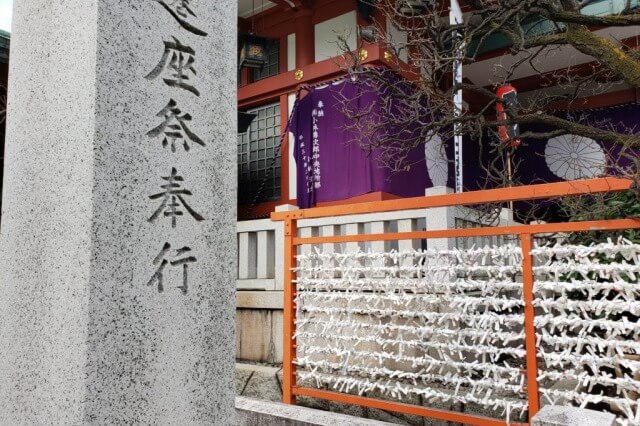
x=384 y=372
x=587 y=380
x=399 y=391
x=583 y=271
x=497 y=271
x=427 y=284
x=584 y=327
x=402 y=300
x=628 y=250
x=491 y=320
x=480 y=335
x=578 y=344
x=456 y=348
x=488 y=370
x=591 y=288
x=586 y=307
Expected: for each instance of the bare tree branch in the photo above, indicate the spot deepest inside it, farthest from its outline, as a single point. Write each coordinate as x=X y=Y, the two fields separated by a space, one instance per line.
x=570 y=127
x=536 y=31
x=577 y=18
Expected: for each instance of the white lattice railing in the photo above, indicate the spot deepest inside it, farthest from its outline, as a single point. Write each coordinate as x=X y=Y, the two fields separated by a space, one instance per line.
x=258 y=266
x=447 y=325
x=260 y=242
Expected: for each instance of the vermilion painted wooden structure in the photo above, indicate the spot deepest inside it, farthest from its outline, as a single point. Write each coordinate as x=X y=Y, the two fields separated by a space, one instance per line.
x=591 y=186
x=296 y=18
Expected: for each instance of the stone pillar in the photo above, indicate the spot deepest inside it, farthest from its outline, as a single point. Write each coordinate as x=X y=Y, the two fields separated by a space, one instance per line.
x=440 y=218
x=118 y=244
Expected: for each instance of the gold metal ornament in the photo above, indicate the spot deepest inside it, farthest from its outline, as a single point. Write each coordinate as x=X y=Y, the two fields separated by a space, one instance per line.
x=299 y=75
x=388 y=56
x=363 y=55
x=256 y=50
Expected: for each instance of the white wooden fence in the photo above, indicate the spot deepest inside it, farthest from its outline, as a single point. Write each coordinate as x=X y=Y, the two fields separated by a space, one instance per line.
x=261 y=242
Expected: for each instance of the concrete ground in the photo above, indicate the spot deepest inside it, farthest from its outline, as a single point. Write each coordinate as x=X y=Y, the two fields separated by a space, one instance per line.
x=265 y=382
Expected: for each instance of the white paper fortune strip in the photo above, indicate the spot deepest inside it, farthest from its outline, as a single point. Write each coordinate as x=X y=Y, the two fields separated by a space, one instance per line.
x=448 y=325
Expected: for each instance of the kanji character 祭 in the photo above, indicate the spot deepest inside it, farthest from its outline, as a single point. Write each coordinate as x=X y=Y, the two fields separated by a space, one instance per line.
x=174 y=128
x=180 y=260
x=182 y=12
x=173 y=199
x=178 y=60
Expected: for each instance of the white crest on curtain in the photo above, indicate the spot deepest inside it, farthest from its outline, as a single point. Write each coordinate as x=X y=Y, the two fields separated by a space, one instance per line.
x=574 y=157
x=437 y=163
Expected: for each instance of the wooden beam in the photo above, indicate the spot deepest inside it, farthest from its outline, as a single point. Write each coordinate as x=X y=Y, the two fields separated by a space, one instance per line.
x=521 y=193
x=244 y=25
x=284 y=83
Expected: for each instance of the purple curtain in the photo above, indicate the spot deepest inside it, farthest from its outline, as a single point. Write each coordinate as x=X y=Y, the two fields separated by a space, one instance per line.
x=330 y=164
x=561 y=158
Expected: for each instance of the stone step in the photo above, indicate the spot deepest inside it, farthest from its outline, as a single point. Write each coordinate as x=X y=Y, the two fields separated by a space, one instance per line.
x=255 y=412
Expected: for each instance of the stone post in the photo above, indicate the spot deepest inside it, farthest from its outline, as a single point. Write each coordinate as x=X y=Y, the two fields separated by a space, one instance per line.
x=118 y=245
x=439 y=218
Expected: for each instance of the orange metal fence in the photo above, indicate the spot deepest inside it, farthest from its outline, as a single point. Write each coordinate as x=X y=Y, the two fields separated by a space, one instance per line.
x=525 y=232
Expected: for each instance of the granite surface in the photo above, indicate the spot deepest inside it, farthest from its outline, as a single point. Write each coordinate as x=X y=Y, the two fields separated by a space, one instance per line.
x=554 y=415
x=117 y=291
x=254 y=412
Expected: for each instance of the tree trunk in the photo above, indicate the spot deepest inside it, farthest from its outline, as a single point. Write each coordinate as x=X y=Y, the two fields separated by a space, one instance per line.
x=606 y=52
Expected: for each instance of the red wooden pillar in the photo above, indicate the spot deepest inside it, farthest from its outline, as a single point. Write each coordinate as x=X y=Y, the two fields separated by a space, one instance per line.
x=305 y=38
x=305 y=55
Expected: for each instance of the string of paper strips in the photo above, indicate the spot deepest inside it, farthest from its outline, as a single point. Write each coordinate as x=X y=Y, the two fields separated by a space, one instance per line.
x=441 y=325
x=448 y=325
x=587 y=301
